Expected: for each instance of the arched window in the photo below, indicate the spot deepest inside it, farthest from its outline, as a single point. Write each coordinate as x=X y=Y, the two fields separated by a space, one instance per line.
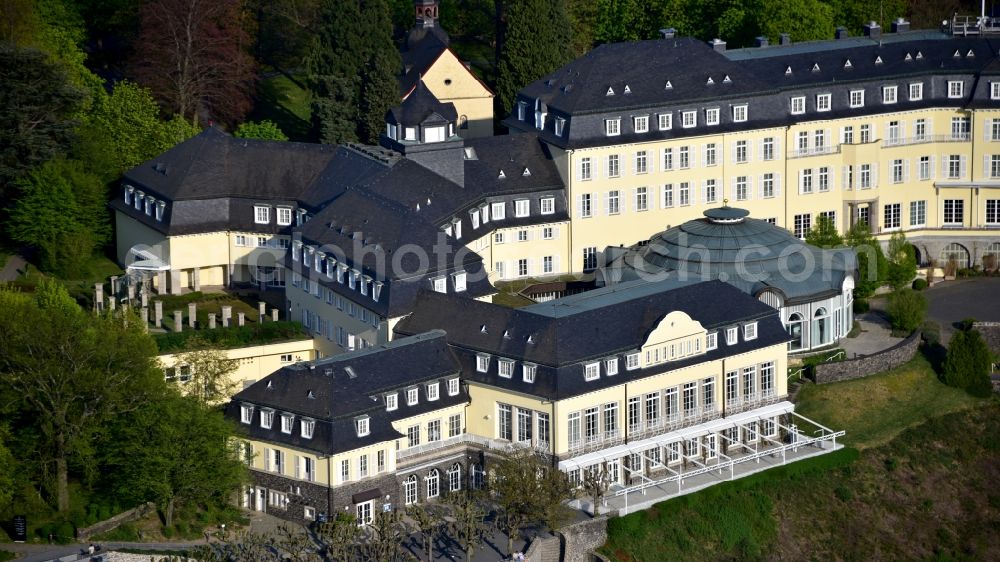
x=991 y=257
x=463 y=122
x=821 y=328
x=476 y=476
x=433 y=483
x=795 y=330
x=455 y=478
x=956 y=253
x=410 y=490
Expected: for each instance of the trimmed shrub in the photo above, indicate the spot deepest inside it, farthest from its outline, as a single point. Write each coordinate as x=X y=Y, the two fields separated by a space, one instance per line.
x=931 y=333
x=919 y=284
x=906 y=309
x=861 y=306
x=967 y=364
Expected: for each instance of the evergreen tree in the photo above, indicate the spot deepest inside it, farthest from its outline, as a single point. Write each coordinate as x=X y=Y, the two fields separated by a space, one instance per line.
x=621 y=20
x=334 y=109
x=967 y=364
x=536 y=39
x=379 y=82
x=824 y=233
x=902 y=261
x=872 y=265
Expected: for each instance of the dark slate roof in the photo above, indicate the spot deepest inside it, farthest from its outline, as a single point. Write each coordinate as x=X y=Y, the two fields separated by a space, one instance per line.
x=748 y=253
x=590 y=326
x=216 y=165
x=424 y=45
x=422 y=107
x=339 y=398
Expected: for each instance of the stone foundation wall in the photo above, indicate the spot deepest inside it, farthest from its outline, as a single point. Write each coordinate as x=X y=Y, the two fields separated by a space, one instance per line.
x=868 y=365
x=116 y=521
x=991 y=333
x=581 y=539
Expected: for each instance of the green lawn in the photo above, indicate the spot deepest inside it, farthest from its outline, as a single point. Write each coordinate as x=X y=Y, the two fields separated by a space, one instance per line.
x=281 y=100
x=875 y=409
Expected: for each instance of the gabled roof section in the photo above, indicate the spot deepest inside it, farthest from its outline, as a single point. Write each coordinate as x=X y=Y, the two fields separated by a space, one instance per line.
x=214 y=164
x=422 y=107
x=424 y=45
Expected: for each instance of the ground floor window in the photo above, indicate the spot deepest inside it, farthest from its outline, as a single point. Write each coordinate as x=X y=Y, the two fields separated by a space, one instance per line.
x=455 y=478
x=433 y=484
x=410 y=490
x=795 y=330
x=364 y=511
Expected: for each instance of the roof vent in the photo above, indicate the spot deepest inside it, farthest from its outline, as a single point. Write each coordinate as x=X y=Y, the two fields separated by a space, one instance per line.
x=470 y=153
x=957 y=54
x=872 y=30
x=788 y=71
x=567 y=88
x=610 y=92
x=270 y=385
x=356 y=235
x=727 y=80
x=311 y=395
x=908 y=57
x=919 y=55
x=718 y=45
x=668 y=33
x=878 y=60
x=526 y=172
x=428 y=200
x=530 y=339
x=328 y=371
x=970 y=54
x=483 y=330
x=760 y=41
x=841 y=33
x=418 y=207
x=350 y=372
x=501 y=175
x=815 y=67
x=668 y=86
x=506 y=334
x=627 y=89
x=784 y=39
x=900 y=25
x=847 y=63
x=709 y=82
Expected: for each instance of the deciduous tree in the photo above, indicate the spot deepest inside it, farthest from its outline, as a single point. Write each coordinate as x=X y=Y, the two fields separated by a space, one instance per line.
x=872 y=265
x=429 y=519
x=72 y=371
x=264 y=130
x=907 y=309
x=194 y=56
x=824 y=233
x=467 y=520
x=901 y=260
x=211 y=373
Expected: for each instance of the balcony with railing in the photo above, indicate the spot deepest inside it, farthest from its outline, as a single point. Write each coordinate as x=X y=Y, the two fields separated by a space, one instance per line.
x=814 y=151
x=923 y=139
x=419 y=452
x=753 y=401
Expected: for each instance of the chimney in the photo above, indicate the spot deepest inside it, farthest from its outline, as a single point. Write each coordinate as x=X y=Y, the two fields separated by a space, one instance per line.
x=784 y=39
x=668 y=33
x=718 y=45
x=872 y=30
x=760 y=41
x=900 y=26
x=841 y=33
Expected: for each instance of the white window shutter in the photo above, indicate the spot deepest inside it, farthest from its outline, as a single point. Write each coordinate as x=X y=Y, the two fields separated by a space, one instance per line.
x=777 y=147
x=963 y=166
x=875 y=178
x=732 y=190
x=933 y=167
x=579 y=170
x=800 y=181
x=986 y=129
x=579 y=206
x=732 y=152
x=944 y=167
x=607 y=203
x=635 y=169
x=902 y=129
x=831 y=178
x=777 y=185
x=749 y=151
x=267 y=459
x=828 y=137
x=986 y=166
x=760 y=148
x=843 y=178
x=906 y=169
x=298 y=466
x=556 y=268
x=760 y=187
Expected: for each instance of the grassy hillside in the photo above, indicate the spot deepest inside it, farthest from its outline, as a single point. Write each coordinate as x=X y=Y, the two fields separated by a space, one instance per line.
x=922 y=486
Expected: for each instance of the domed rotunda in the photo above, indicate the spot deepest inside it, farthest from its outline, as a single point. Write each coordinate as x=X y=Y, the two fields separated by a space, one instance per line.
x=811 y=286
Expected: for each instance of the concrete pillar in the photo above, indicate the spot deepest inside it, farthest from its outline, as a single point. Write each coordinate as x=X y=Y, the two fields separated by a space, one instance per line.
x=158 y=314
x=240 y=318
x=192 y=314
x=227 y=316
x=261 y=311
x=144 y=296
x=274 y=314
x=196 y=279
x=98 y=297
x=178 y=320
x=112 y=301
x=130 y=288
x=161 y=282
x=175 y=282
x=145 y=318
x=211 y=321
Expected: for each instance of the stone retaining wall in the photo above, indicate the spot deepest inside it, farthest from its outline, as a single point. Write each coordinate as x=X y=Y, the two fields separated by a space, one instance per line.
x=544 y=549
x=581 y=539
x=991 y=333
x=869 y=364
x=116 y=521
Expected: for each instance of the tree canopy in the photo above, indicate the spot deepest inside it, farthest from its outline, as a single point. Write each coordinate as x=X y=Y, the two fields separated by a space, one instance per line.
x=967 y=364
x=263 y=130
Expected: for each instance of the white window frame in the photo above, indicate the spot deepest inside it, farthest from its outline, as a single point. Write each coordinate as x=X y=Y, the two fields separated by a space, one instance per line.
x=412 y=396
x=640 y=123
x=591 y=371
x=797 y=105
x=453 y=386
x=433 y=391
x=666 y=121
x=890 y=94
x=261 y=214
x=547 y=205
x=482 y=363
x=750 y=331
x=632 y=362
x=956 y=89
x=284 y=216
x=712 y=116
x=391 y=402
x=528 y=372
x=856 y=98
x=362 y=426
x=916 y=91
x=612 y=127
x=740 y=113
x=689 y=119
x=711 y=341
x=307 y=427
x=732 y=336
x=522 y=208
x=246 y=413
x=498 y=211
x=995 y=90
x=824 y=102
x=505 y=368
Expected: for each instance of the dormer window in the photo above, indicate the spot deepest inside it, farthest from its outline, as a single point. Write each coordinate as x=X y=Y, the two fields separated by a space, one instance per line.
x=474 y=218
x=261 y=214
x=889 y=94
x=412 y=396
x=740 y=113
x=307 y=427
x=612 y=127
x=362 y=426
x=439 y=285
x=611 y=366
x=632 y=361
x=641 y=123
x=499 y=211
x=284 y=216
x=149 y=206
x=560 y=126
x=712 y=116
x=731 y=336
x=459 y=280
x=160 y=206
x=528 y=372
x=665 y=121
x=798 y=105
x=857 y=98
x=521 y=107
x=410 y=133
x=266 y=418
x=956 y=89
x=246 y=413
x=591 y=371
x=433 y=391
x=505 y=368
x=689 y=119
x=138 y=200
x=823 y=102
x=391 y=402
x=390 y=131
x=434 y=134
x=750 y=331
x=287 y=421
x=547 y=205
x=711 y=341
x=482 y=363
x=128 y=194
x=453 y=386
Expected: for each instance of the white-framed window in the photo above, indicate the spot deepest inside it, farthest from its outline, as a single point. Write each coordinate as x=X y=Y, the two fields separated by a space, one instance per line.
x=590 y=258
x=891 y=215
x=666 y=121
x=611 y=366
x=586 y=170
x=612 y=127
x=528 y=372
x=857 y=98
x=505 y=368
x=261 y=214
x=522 y=267
x=667 y=196
x=802 y=224
x=995 y=90
x=689 y=119
x=684 y=194
x=797 y=105
x=954 y=212
x=918 y=213
x=640 y=123
x=410 y=490
x=712 y=116
x=548 y=233
x=266 y=418
x=453 y=386
x=498 y=210
x=639 y=162
x=287 y=422
x=547 y=264
x=591 y=371
x=613 y=166
x=740 y=113
x=412 y=396
x=459 y=280
x=732 y=336
x=547 y=205
x=956 y=89
x=993 y=212
x=823 y=102
x=710 y=154
x=631 y=361
x=246 y=413
x=916 y=91
x=391 y=401
x=750 y=331
x=306 y=428
x=767 y=149
x=585 y=205
x=439 y=284
x=284 y=216
x=889 y=94
x=482 y=363
x=711 y=341
x=641 y=199
x=742 y=152
x=866 y=133
x=684 y=157
x=362 y=426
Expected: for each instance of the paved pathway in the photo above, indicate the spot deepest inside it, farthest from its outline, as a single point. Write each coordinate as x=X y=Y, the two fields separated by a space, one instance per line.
x=876 y=335
x=953 y=301
x=13 y=268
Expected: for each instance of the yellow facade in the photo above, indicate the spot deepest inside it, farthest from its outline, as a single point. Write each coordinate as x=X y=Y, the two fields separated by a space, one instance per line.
x=451 y=81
